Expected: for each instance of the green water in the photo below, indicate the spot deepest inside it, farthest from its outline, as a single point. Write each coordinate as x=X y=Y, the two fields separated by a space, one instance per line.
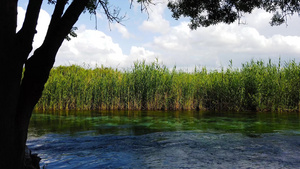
x=160 y=139
x=136 y=123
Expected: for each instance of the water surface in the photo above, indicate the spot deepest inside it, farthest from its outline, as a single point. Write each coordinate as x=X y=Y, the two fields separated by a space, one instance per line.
x=160 y=139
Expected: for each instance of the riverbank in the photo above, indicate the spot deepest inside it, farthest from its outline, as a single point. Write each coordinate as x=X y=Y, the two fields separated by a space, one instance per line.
x=257 y=86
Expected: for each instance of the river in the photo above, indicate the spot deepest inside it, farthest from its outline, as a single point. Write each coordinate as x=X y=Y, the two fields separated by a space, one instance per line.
x=163 y=139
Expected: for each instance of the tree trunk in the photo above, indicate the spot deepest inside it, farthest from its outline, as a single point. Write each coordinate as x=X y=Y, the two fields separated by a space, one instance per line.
x=10 y=73
x=18 y=97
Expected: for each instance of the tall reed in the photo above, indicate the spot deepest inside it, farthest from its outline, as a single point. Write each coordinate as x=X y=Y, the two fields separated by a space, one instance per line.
x=256 y=86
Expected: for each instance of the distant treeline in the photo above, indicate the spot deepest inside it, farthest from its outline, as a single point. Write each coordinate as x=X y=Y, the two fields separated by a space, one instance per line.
x=256 y=86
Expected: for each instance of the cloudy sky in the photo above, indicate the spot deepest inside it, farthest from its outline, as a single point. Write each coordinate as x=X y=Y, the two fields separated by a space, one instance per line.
x=143 y=36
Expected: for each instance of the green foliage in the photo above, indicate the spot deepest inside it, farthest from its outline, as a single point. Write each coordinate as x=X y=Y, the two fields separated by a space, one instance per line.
x=256 y=86
x=72 y=34
x=206 y=13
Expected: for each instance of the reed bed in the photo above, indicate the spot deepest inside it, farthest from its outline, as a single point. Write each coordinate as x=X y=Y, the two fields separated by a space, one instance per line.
x=256 y=86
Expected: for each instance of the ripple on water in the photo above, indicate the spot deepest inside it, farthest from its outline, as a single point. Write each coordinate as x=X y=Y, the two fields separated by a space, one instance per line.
x=168 y=150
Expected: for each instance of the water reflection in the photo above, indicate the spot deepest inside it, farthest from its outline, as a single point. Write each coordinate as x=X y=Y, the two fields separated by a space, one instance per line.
x=144 y=122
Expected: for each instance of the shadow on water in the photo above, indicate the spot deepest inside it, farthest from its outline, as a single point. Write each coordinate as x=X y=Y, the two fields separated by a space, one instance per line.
x=160 y=139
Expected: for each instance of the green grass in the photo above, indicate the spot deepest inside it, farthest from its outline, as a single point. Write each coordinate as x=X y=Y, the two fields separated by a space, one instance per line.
x=257 y=86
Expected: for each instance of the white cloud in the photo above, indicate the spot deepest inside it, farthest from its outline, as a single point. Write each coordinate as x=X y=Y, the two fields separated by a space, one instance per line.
x=141 y=54
x=122 y=30
x=156 y=22
x=91 y=47
x=21 y=16
x=260 y=19
x=42 y=27
x=178 y=45
x=216 y=45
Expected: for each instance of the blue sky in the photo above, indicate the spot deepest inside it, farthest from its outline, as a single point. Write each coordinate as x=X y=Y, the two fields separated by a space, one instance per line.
x=143 y=37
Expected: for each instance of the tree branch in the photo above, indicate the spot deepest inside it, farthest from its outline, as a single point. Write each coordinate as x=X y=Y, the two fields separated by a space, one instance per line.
x=26 y=34
x=58 y=12
x=37 y=67
x=32 y=14
x=111 y=17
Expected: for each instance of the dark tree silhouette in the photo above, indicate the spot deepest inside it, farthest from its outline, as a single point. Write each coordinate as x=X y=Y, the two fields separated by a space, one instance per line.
x=19 y=93
x=211 y=12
